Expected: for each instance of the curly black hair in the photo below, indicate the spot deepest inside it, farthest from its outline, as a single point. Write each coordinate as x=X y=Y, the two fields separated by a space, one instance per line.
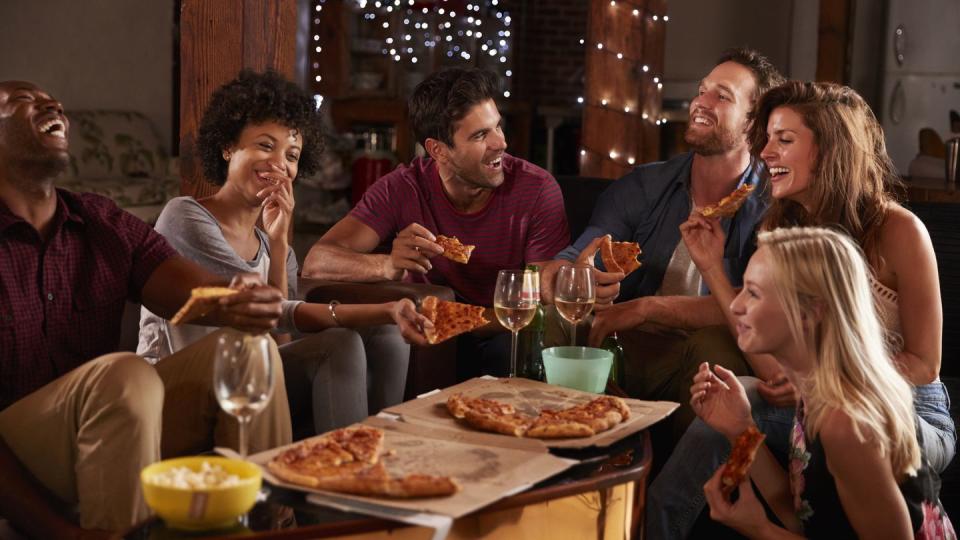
x=255 y=98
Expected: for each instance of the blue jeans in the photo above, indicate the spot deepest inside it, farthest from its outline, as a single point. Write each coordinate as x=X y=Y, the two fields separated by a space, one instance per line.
x=939 y=434
x=675 y=498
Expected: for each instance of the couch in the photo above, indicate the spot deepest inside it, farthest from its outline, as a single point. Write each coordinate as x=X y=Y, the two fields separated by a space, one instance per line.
x=121 y=155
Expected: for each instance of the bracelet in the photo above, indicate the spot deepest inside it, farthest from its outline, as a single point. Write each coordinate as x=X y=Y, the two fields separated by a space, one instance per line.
x=332 y=306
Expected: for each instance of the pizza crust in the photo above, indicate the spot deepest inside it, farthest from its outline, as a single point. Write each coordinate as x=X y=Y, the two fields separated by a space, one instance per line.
x=202 y=300
x=728 y=205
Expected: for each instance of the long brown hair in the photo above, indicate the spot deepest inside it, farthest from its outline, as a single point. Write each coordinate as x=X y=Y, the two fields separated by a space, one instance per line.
x=853 y=176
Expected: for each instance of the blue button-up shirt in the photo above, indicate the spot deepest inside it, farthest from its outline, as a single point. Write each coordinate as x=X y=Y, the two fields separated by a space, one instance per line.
x=649 y=204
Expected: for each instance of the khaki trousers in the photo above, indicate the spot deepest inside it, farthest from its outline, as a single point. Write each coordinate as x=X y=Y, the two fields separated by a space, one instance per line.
x=86 y=435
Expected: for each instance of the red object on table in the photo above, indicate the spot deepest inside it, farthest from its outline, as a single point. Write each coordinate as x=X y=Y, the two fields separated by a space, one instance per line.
x=366 y=170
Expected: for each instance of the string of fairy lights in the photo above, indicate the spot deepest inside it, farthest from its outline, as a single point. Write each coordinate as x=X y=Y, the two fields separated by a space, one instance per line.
x=626 y=107
x=477 y=32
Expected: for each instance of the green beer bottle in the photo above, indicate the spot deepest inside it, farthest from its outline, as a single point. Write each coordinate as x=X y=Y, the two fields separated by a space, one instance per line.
x=612 y=344
x=530 y=337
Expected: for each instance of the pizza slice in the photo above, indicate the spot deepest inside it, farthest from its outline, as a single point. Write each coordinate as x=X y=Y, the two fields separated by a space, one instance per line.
x=450 y=318
x=453 y=249
x=554 y=425
x=202 y=300
x=582 y=420
x=737 y=467
x=348 y=461
x=362 y=442
x=619 y=256
x=728 y=205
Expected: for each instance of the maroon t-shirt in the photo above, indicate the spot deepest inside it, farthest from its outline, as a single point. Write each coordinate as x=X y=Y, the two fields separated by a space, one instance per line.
x=61 y=303
x=524 y=221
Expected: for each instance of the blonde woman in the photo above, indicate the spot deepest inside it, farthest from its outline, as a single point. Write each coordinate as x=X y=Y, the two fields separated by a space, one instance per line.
x=856 y=468
x=827 y=165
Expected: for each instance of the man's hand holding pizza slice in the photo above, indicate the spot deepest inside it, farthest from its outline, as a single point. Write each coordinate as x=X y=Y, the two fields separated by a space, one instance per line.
x=412 y=250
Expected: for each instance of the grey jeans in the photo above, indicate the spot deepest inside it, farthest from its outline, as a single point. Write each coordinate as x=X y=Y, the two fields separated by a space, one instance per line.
x=340 y=376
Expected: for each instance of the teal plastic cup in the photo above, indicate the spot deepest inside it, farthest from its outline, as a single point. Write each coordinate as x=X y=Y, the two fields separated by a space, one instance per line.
x=580 y=368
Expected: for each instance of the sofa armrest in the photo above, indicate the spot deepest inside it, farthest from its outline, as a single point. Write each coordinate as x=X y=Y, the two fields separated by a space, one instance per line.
x=322 y=291
x=430 y=367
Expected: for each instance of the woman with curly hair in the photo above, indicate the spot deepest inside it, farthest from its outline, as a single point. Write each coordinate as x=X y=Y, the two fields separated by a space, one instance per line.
x=856 y=467
x=257 y=134
x=827 y=164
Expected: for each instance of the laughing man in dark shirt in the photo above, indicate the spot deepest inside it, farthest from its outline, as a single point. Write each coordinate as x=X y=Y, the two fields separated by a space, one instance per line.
x=76 y=422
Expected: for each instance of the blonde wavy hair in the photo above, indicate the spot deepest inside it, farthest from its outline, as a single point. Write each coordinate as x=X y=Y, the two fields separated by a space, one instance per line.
x=853 y=177
x=821 y=273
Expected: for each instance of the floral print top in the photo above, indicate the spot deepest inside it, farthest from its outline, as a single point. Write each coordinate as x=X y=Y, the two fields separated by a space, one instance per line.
x=817 y=503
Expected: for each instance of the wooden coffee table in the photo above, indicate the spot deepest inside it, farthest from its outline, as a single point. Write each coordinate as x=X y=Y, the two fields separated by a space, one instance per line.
x=605 y=492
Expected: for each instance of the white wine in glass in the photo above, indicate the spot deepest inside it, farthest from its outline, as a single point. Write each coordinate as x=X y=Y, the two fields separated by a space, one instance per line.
x=574 y=294
x=243 y=377
x=515 y=303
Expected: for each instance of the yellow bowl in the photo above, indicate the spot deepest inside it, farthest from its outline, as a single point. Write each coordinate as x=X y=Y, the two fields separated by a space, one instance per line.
x=201 y=508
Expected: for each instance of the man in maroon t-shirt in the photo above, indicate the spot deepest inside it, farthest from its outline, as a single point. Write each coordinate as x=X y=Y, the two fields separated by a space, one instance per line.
x=467 y=187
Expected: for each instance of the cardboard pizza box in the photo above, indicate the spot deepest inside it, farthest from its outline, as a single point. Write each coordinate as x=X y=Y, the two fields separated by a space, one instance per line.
x=529 y=397
x=487 y=467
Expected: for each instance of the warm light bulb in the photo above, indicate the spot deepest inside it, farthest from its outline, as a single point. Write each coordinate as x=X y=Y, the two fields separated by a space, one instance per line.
x=636 y=13
x=580 y=99
x=603 y=102
x=619 y=56
x=666 y=18
x=613 y=154
x=599 y=45
x=646 y=68
x=631 y=161
x=654 y=18
x=626 y=109
x=583 y=152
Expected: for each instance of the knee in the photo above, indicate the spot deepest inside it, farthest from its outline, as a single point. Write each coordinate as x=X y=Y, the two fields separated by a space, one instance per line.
x=129 y=383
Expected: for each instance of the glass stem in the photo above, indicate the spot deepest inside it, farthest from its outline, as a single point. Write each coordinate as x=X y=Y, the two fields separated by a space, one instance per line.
x=573 y=334
x=513 y=354
x=243 y=436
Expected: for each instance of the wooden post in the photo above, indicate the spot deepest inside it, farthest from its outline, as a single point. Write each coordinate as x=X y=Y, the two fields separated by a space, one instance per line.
x=218 y=38
x=622 y=102
x=833 y=40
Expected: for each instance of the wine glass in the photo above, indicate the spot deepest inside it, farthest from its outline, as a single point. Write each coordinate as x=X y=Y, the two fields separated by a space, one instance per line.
x=243 y=377
x=574 y=294
x=515 y=303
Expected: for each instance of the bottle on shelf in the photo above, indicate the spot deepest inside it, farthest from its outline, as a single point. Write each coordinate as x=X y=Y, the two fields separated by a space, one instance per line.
x=530 y=337
x=612 y=344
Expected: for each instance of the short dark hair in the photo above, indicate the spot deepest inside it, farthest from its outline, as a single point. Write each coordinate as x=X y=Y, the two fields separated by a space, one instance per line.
x=444 y=98
x=255 y=98
x=764 y=72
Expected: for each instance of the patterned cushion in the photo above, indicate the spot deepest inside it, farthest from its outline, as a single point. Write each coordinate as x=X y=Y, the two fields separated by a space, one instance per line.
x=112 y=144
x=127 y=191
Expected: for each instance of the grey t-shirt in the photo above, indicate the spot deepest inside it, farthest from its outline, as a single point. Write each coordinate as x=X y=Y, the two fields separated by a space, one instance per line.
x=193 y=231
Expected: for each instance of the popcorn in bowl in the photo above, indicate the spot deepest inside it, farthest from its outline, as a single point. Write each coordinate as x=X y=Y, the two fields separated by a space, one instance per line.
x=209 y=476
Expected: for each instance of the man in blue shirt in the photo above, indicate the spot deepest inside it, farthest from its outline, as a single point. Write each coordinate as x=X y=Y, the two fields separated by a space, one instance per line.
x=666 y=320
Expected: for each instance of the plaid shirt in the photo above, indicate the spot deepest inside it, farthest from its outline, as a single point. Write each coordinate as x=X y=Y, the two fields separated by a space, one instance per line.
x=61 y=302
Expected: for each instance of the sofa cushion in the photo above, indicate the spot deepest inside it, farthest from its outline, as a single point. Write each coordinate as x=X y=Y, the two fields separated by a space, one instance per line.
x=127 y=191
x=110 y=144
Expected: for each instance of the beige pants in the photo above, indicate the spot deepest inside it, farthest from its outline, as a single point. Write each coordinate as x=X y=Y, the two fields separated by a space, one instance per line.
x=87 y=435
